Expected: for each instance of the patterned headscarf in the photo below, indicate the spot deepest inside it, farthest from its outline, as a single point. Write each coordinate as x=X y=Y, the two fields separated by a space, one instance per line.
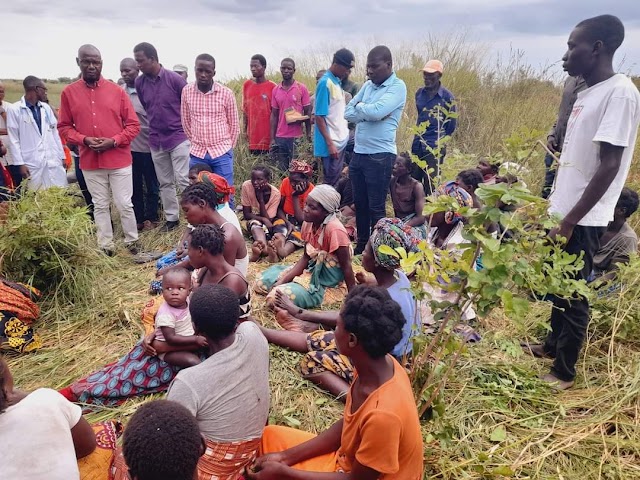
x=459 y=194
x=329 y=198
x=219 y=185
x=396 y=234
x=300 y=166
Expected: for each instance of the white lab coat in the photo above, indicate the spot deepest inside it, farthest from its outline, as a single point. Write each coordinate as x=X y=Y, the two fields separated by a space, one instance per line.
x=42 y=152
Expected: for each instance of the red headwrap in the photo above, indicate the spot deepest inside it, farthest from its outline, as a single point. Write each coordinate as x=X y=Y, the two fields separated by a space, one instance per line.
x=300 y=166
x=219 y=185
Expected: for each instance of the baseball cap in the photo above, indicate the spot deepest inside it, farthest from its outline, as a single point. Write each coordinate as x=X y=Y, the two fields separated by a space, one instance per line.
x=433 y=66
x=180 y=68
x=345 y=58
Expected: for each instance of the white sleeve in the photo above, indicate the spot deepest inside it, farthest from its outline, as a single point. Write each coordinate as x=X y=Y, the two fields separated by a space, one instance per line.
x=619 y=122
x=71 y=412
x=181 y=393
x=13 y=130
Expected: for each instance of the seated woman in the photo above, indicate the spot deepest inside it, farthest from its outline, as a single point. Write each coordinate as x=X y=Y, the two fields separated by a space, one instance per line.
x=619 y=241
x=42 y=434
x=199 y=173
x=379 y=435
x=347 y=214
x=407 y=195
x=326 y=261
x=469 y=180
x=323 y=364
x=293 y=195
x=141 y=372
x=260 y=201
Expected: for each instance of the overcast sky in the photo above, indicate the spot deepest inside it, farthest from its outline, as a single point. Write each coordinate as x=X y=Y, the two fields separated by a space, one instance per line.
x=42 y=40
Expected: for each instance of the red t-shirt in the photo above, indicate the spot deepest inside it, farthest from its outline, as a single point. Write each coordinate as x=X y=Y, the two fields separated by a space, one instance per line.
x=256 y=105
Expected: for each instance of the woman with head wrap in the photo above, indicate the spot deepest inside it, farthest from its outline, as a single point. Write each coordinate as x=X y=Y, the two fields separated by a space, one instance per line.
x=326 y=261
x=322 y=364
x=293 y=194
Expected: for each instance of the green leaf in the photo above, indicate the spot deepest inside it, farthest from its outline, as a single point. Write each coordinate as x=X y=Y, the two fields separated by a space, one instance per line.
x=293 y=422
x=503 y=470
x=499 y=434
x=387 y=250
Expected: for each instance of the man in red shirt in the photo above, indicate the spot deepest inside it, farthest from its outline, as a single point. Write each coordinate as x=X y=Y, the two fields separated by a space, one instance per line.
x=256 y=106
x=98 y=116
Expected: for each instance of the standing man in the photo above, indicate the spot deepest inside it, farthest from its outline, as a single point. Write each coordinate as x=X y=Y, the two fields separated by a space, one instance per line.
x=97 y=115
x=331 y=130
x=160 y=91
x=34 y=142
x=596 y=156
x=435 y=104
x=256 y=107
x=290 y=107
x=555 y=139
x=376 y=110
x=146 y=189
x=210 y=120
x=181 y=70
x=4 y=136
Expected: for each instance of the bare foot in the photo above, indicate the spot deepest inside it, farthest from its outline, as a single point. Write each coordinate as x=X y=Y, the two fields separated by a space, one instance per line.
x=279 y=241
x=272 y=255
x=256 y=251
x=283 y=302
x=291 y=323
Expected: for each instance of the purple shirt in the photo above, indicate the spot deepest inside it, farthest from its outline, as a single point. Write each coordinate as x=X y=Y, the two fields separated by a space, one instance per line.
x=296 y=97
x=160 y=98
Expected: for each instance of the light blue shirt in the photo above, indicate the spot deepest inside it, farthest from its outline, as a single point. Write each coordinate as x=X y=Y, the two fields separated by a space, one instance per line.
x=400 y=291
x=376 y=111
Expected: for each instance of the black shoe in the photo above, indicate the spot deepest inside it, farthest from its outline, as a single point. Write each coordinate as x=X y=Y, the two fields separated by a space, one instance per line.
x=108 y=252
x=168 y=226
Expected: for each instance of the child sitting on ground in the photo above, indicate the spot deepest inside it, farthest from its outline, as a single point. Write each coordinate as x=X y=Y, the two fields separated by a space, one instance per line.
x=407 y=195
x=469 y=180
x=293 y=195
x=173 y=321
x=260 y=201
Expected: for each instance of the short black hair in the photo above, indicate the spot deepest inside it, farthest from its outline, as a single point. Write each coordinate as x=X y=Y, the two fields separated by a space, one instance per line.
x=215 y=310
x=264 y=169
x=288 y=60
x=407 y=160
x=382 y=52
x=200 y=191
x=162 y=441
x=605 y=28
x=178 y=272
x=30 y=83
x=200 y=167
x=472 y=177
x=261 y=59
x=374 y=318
x=207 y=58
x=629 y=201
x=148 y=50
x=209 y=238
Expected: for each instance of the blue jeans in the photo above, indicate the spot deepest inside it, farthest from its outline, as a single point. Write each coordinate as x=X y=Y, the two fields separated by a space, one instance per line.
x=370 y=176
x=549 y=174
x=286 y=152
x=222 y=165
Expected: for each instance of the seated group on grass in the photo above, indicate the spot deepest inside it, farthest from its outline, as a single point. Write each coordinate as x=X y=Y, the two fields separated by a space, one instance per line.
x=203 y=347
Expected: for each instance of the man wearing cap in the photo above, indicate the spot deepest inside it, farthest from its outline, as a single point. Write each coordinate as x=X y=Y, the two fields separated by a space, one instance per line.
x=331 y=131
x=376 y=110
x=436 y=105
x=181 y=70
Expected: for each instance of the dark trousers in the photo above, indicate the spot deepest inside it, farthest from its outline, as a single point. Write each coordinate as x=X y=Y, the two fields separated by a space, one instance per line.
x=16 y=177
x=570 y=318
x=370 y=176
x=332 y=168
x=83 y=185
x=428 y=180
x=146 y=189
x=285 y=152
x=549 y=174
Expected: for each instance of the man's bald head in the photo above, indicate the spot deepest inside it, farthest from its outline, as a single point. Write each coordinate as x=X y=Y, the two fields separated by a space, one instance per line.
x=129 y=63
x=129 y=71
x=88 y=49
x=90 y=62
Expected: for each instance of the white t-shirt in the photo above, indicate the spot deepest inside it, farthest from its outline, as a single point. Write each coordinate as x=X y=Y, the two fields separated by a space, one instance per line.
x=606 y=112
x=35 y=438
x=228 y=393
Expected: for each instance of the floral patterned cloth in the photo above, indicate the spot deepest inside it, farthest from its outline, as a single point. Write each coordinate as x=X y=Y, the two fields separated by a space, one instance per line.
x=18 y=311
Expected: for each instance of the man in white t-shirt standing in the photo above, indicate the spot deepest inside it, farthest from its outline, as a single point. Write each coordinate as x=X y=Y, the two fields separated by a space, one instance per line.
x=595 y=161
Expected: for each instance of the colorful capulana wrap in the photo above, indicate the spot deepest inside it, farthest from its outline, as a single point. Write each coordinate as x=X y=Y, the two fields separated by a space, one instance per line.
x=459 y=194
x=219 y=185
x=300 y=166
x=396 y=234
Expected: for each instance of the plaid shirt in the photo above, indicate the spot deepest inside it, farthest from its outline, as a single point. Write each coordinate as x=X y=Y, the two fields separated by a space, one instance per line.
x=210 y=120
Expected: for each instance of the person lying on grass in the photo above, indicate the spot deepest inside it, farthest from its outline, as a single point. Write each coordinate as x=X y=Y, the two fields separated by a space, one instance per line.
x=379 y=435
x=326 y=261
x=293 y=195
x=173 y=321
x=199 y=173
x=407 y=195
x=260 y=201
x=42 y=434
x=322 y=363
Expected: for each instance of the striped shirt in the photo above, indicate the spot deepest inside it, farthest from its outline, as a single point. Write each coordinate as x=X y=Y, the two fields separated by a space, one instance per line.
x=210 y=120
